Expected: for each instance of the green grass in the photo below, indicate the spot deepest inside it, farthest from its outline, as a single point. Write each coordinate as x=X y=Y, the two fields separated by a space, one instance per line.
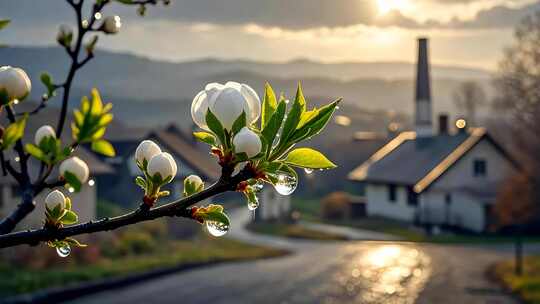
x=14 y=280
x=526 y=286
x=294 y=231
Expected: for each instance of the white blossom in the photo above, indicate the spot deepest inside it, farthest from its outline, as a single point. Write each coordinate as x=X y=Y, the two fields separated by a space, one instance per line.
x=15 y=82
x=194 y=181
x=146 y=150
x=164 y=164
x=77 y=167
x=54 y=198
x=43 y=132
x=112 y=24
x=247 y=141
x=227 y=103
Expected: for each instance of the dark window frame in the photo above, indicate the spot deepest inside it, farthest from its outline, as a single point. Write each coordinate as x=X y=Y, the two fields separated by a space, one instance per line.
x=392 y=193
x=479 y=167
x=412 y=197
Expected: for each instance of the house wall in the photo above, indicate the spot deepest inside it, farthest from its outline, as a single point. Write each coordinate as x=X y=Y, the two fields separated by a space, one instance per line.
x=84 y=204
x=379 y=205
x=272 y=205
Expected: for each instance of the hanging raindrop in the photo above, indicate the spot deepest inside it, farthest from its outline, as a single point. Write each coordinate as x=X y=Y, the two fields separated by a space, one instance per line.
x=308 y=170
x=216 y=228
x=63 y=251
x=286 y=184
x=258 y=186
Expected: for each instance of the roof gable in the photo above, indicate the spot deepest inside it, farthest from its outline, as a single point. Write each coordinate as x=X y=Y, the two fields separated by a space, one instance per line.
x=419 y=162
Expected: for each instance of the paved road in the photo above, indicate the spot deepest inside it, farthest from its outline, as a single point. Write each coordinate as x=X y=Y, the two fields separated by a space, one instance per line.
x=340 y=272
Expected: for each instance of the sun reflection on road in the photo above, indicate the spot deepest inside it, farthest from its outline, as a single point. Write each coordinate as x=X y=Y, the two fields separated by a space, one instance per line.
x=379 y=273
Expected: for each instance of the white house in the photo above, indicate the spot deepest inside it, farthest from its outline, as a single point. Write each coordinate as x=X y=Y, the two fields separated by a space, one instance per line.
x=443 y=179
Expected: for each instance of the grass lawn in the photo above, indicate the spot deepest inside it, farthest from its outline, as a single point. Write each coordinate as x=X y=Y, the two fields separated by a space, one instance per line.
x=310 y=211
x=527 y=286
x=14 y=280
x=294 y=231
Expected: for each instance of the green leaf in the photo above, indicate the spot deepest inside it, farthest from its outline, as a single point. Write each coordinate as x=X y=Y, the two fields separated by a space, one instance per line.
x=239 y=123
x=205 y=137
x=74 y=242
x=72 y=181
x=139 y=180
x=293 y=118
x=308 y=158
x=269 y=105
x=4 y=23
x=46 y=79
x=215 y=126
x=316 y=124
x=69 y=218
x=35 y=152
x=13 y=132
x=103 y=147
x=68 y=203
x=274 y=123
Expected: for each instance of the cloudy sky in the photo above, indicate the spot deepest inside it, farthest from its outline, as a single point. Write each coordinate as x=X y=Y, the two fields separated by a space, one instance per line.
x=462 y=32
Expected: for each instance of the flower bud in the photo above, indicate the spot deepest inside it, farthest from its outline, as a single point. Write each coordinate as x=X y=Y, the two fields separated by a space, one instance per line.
x=247 y=141
x=146 y=150
x=44 y=132
x=192 y=185
x=77 y=167
x=54 y=198
x=65 y=35
x=227 y=103
x=14 y=82
x=164 y=164
x=112 y=24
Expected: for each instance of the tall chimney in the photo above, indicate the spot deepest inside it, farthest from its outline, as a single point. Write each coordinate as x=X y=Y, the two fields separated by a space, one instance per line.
x=423 y=122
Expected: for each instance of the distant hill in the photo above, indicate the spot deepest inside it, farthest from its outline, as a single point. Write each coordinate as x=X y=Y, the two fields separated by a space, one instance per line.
x=132 y=81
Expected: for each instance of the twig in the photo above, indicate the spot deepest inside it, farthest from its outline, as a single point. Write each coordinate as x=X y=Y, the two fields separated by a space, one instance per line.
x=176 y=208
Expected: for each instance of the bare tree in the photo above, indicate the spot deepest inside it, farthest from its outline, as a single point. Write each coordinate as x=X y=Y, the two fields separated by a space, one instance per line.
x=468 y=96
x=518 y=99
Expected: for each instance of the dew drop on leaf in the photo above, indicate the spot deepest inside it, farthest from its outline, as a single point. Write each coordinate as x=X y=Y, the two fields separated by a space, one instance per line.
x=308 y=170
x=286 y=184
x=63 y=251
x=258 y=186
x=216 y=228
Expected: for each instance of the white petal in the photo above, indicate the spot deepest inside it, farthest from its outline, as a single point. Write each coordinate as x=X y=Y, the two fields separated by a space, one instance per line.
x=146 y=150
x=247 y=141
x=253 y=101
x=199 y=107
x=227 y=106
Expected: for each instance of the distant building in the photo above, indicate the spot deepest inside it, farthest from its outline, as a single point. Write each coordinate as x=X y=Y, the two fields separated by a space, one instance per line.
x=437 y=179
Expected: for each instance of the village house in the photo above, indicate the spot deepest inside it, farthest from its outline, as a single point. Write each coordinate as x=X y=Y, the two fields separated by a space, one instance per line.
x=443 y=178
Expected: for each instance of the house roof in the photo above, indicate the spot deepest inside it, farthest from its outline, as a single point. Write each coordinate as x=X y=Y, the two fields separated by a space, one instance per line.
x=418 y=162
x=188 y=152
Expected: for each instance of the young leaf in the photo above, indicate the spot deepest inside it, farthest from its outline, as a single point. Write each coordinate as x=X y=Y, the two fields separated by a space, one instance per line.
x=74 y=242
x=293 y=118
x=13 y=132
x=205 y=137
x=103 y=147
x=69 y=218
x=46 y=79
x=141 y=182
x=274 y=123
x=215 y=126
x=35 y=152
x=269 y=105
x=316 y=124
x=73 y=181
x=308 y=158
x=239 y=123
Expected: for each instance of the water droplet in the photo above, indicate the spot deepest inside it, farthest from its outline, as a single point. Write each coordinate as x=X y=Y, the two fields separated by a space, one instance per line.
x=258 y=186
x=216 y=228
x=253 y=204
x=337 y=107
x=286 y=184
x=287 y=101
x=308 y=170
x=63 y=251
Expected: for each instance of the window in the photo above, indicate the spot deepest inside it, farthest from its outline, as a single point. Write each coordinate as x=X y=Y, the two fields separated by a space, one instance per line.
x=412 y=197
x=448 y=199
x=479 y=168
x=392 y=193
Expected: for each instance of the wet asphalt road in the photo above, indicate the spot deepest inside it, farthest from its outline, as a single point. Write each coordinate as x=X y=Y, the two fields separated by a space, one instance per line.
x=340 y=272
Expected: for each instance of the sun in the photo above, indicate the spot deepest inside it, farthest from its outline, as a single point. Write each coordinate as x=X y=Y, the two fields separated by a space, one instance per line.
x=385 y=6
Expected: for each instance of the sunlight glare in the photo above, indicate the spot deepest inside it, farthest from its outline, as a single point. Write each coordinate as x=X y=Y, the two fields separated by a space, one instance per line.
x=386 y=6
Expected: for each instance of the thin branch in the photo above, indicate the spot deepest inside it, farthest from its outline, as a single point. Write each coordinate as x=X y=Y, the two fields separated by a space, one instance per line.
x=176 y=208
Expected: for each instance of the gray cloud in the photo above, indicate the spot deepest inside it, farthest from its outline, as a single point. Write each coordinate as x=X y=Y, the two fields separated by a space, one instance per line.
x=290 y=14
